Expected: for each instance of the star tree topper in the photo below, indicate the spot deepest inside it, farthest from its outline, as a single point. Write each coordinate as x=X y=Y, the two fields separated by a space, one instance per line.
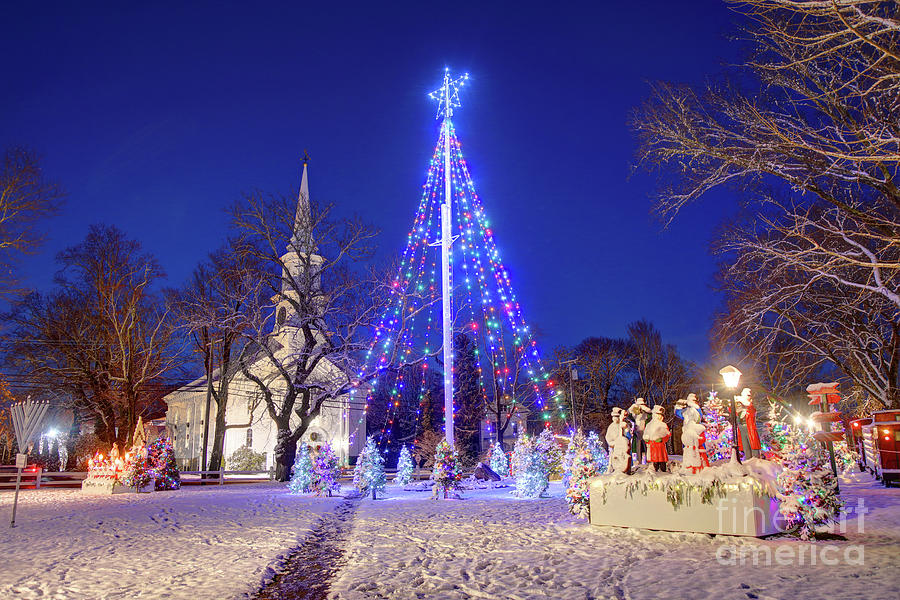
x=448 y=94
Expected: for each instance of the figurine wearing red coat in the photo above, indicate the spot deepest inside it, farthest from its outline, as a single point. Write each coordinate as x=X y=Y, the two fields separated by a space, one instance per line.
x=748 y=440
x=656 y=434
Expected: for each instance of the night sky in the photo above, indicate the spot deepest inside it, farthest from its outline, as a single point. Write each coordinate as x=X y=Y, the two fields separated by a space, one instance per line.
x=156 y=118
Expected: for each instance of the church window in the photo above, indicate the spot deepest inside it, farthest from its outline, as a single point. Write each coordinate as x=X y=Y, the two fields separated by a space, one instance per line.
x=282 y=315
x=249 y=437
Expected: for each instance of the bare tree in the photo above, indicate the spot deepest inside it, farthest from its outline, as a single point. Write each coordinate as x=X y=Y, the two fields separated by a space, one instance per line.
x=26 y=198
x=811 y=280
x=802 y=316
x=213 y=306
x=324 y=303
x=102 y=335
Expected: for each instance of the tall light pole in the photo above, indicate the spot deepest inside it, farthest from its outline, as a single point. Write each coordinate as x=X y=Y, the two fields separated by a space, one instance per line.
x=732 y=377
x=448 y=98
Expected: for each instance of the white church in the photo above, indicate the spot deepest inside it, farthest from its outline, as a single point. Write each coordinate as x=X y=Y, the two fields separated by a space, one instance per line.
x=248 y=424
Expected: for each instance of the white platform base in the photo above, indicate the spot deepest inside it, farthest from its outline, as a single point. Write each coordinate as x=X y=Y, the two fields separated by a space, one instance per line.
x=741 y=512
x=107 y=487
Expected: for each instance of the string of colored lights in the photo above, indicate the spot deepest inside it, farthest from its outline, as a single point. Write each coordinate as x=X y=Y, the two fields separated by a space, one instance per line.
x=485 y=306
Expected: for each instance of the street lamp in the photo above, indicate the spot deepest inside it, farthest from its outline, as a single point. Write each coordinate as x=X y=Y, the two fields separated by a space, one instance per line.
x=732 y=377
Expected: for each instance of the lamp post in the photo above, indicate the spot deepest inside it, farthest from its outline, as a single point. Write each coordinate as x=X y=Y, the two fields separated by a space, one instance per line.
x=732 y=377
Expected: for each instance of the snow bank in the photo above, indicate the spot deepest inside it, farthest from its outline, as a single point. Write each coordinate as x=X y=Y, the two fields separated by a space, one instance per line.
x=197 y=542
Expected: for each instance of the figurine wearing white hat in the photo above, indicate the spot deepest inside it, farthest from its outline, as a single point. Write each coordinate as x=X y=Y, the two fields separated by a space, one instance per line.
x=748 y=441
x=656 y=434
x=691 y=433
x=617 y=439
x=639 y=411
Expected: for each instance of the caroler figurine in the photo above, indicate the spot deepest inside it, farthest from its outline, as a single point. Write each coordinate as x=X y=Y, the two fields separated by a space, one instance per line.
x=656 y=434
x=692 y=434
x=617 y=437
x=638 y=411
x=748 y=441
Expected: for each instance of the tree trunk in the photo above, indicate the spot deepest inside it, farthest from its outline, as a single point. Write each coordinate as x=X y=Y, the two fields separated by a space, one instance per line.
x=72 y=440
x=285 y=451
x=218 y=448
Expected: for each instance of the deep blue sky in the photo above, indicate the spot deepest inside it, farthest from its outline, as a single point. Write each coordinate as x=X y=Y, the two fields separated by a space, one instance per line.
x=155 y=118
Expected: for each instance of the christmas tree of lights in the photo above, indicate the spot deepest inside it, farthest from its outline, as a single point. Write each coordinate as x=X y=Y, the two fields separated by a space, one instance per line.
x=326 y=471
x=530 y=468
x=581 y=468
x=165 y=470
x=368 y=476
x=718 y=428
x=451 y=281
x=302 y=478
x=446 y=473
x=405 y=467
x=499 y=461
x=601 y=457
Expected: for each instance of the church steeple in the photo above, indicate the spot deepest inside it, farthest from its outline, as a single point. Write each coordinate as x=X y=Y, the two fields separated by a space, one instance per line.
x=301 y=260
x=302 y=239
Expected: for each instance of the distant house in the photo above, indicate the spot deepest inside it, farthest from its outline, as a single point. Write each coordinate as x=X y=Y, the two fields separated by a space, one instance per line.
x=339 y=423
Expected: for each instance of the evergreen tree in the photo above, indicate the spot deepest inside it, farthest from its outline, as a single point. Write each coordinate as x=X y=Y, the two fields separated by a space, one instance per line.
x=326 y=471
x=162 y=458
x=807 y=488
x=582 y=468
x=550 y=449
x=138 y=469
x=575 y=442
x=601 y=457
x=530 y=468
x=499 y=461
x=368 y=476
x=53 y=459
x=446 y=472
x=405 y=467
x=302 y=478
x=468 y=397
x=718 y=428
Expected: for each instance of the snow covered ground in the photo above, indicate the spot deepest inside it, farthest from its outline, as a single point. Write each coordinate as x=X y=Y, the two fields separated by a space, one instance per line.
x=198 y=542
x=217 y=542
x=491 y=545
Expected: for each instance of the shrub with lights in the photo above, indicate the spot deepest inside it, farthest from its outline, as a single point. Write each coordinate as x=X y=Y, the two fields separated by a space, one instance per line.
x=552 y=452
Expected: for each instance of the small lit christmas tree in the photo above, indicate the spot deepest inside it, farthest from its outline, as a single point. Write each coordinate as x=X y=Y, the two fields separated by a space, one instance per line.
x=807 y=488
x=302 y=478
x=326 y=471
x=138 y=469
x=499 y=461
x=601 y=457
x=530 y=468
x=162 y=458
x=718 y=428
x=405 y=467
x=446 y=473
x=547 y=445
x=368 y=476
x=582 y=468
x=575 y=442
